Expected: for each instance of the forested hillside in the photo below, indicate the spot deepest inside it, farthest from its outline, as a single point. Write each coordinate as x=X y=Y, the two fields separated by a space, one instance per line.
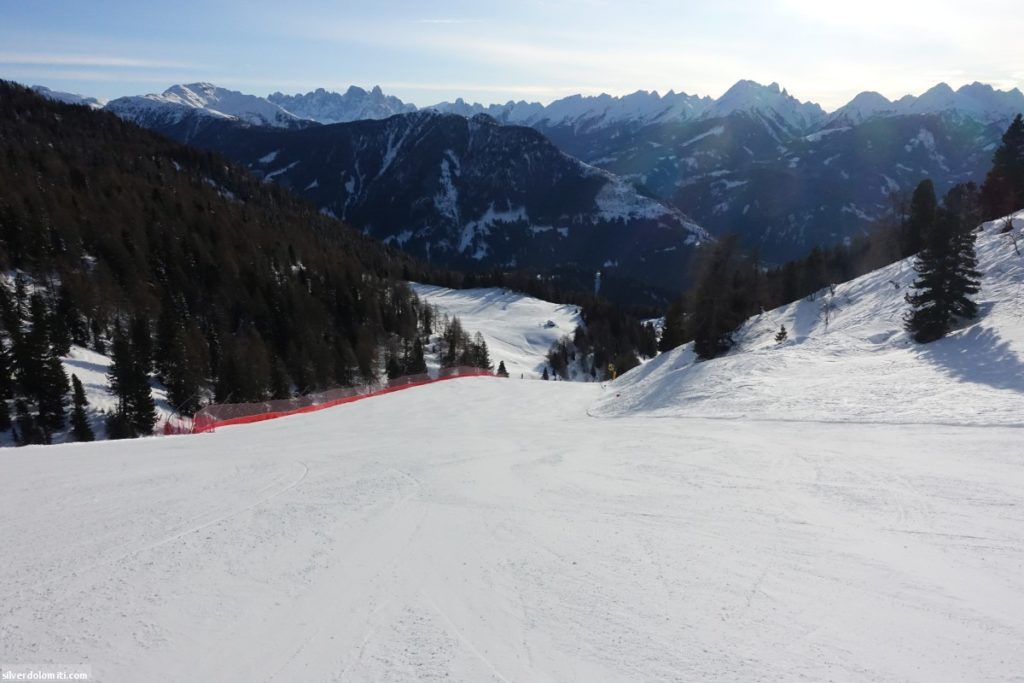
x=186 y=267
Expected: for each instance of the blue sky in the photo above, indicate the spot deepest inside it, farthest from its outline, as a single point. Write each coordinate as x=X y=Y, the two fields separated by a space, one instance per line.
x=495 y=51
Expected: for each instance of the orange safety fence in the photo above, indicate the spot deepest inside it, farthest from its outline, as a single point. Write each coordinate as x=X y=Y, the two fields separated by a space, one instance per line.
x=225 y=414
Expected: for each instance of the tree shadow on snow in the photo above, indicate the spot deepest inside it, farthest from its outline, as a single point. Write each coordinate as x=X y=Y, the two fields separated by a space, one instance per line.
x=980 y=356
x=86 y=365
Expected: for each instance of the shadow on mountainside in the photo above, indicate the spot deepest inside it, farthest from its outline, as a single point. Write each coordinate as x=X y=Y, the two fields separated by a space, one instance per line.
x=980 y=356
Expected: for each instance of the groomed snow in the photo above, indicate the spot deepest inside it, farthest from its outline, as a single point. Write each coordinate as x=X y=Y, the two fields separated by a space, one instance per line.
x=489 y=530
x=515 y=326
x=848 y=358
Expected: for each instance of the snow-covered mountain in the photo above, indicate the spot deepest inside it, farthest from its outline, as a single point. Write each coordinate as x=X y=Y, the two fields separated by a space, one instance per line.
x=469 y=193
x=588 y=111
x=774 y=104
x=848 y=359
x=643 y=108
x=356 y=104
x=864 y=106
x=180 y=102
x=785 y=176
x=977 y=101
x=68 y=97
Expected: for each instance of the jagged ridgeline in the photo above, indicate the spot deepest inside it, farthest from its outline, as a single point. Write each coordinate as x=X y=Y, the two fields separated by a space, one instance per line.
x=245 y=291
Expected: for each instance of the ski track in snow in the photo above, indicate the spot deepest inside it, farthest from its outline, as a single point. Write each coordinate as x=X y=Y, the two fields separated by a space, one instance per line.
x=490 y=530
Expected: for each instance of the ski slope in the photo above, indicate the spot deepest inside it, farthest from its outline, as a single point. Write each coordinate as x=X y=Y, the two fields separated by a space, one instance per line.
x=518 y=329
x=848 y=359
x=490 y=530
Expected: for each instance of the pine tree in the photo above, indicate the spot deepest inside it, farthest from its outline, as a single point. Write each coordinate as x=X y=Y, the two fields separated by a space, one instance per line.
x=545 y=375
x=1003 y=189
x=80 y=427
x=40 y=378
x=781 y=335
x=923 y=207
x=454 y=342
x=717 y=304
x=481 y=356
x=946 y=269
x=142 y=343
x=392 y=365
x=183 y=363
x=502 y=372
x=129 y=381
x=27 y=430
x=417 y=363
x=6 y=386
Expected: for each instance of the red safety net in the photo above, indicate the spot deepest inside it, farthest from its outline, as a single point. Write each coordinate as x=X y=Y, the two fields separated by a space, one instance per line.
x=224 y=414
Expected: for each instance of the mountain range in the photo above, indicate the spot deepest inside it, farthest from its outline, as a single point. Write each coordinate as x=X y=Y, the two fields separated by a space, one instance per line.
x=977 y=101
x=467 y=193
x=783 y=174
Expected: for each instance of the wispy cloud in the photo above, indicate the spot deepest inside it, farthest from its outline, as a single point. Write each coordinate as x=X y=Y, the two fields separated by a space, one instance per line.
x=57 y=59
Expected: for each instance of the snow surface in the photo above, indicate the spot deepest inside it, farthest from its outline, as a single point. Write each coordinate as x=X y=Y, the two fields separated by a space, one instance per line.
x=848 y=358
x=514 y=325
x=489 y=530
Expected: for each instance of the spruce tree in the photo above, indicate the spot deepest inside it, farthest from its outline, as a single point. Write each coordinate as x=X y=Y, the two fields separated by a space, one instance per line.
x=781 y=335
x=417 y=364
x=80 y=427
x=27 y=430
x=6 y=386
x=66 y=325
x=392 y=365
x=545 y=375
x=717 y=303
x=923 y=207
x=40 y=377
x=502 y=372
x=129 y=381
x=481 y=356
x=946 y=269
x=182 y=363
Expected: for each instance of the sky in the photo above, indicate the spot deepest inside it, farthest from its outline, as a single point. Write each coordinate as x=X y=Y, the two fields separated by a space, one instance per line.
x=538 y=50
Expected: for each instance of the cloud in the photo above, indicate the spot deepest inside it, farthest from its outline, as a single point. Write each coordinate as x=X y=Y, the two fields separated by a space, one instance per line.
x=56 y=59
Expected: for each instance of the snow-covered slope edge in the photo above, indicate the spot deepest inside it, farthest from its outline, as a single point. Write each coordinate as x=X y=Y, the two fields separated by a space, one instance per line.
x=848 y=359
x=518 y=329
